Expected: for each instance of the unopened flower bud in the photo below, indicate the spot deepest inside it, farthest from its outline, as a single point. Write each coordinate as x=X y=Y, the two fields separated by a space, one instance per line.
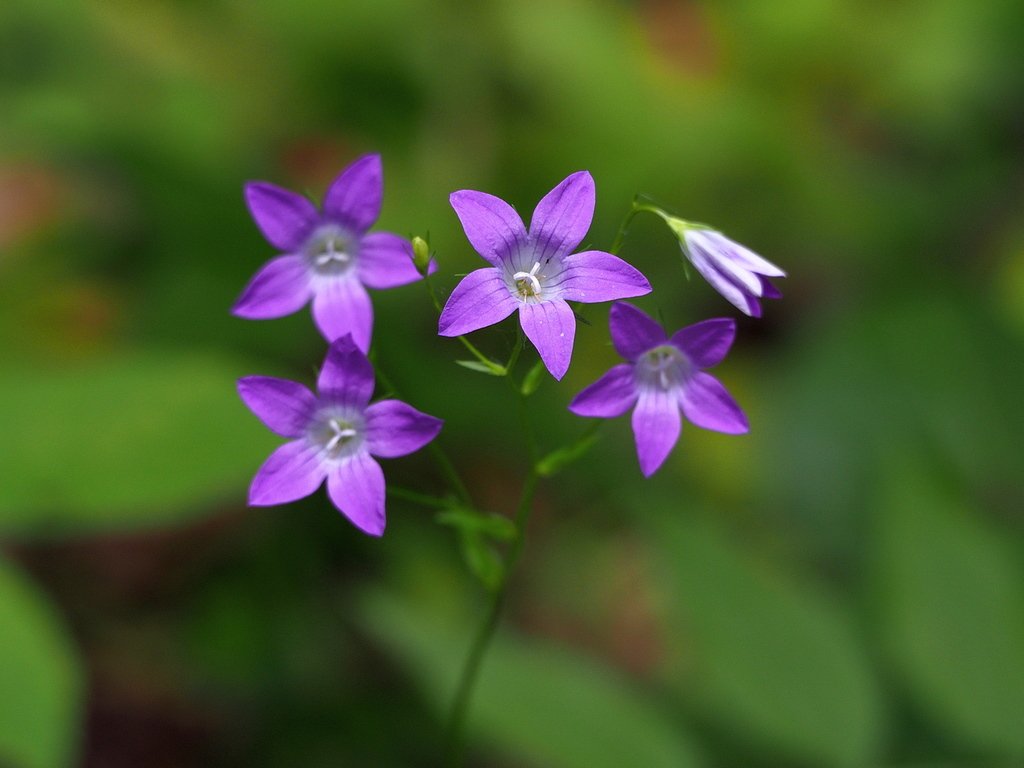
x=421 y=254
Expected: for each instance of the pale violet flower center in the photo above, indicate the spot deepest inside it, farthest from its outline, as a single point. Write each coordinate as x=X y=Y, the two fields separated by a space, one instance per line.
x=528 y=283
x=337 y=434
x=663 y=367
x=331 y=250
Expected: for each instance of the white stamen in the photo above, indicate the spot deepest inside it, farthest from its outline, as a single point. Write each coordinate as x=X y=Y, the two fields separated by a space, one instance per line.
x=340 y=433
x=331 y=255
x=520 y=277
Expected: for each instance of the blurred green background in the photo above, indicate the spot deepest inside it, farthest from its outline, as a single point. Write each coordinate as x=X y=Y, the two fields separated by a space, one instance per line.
x=841 y=587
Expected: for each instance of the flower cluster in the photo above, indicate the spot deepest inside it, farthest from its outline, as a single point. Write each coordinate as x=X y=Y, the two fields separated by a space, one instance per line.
x=329 y=256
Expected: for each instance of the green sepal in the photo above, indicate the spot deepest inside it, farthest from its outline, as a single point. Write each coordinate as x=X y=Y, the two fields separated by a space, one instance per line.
x=491 y=368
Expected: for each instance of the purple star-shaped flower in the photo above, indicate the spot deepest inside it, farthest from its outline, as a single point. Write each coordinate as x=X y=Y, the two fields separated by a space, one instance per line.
x=335 y=436
x=329 y=256
x=736 y=272
x=663 y=375
x=535 y=271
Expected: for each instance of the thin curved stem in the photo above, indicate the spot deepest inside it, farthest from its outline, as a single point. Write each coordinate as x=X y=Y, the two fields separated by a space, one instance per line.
x=441 y=459
x=485 y=633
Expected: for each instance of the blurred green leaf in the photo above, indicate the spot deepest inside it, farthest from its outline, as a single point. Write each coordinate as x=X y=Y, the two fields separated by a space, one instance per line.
x=532 y=379
x=771 y=660
x=132 y=440
x=40 y=678
x=560 y=458
x=483 y=559
x=489 y=524
x=543 y=705
x=952 y=602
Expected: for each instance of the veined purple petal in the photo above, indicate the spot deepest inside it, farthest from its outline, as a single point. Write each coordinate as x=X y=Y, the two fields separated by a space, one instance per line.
x=593 y=276
x=481 y=299
x=283 y=217
x=706 y=343
x=721 y=256
x=354 y=197
x=281 y=286
x=492 y=226
x=385 y=261
x=292 y=472
x=632 y=331
x=707 y=404
x=742 y=254
x=342 y=306
x=551 y=327
x=347 y=376
x=610 y=396
x=562 y=217
x=722 y=283
x=284 y=406
x=394 y=428
x=656 y=427
x=356 y=487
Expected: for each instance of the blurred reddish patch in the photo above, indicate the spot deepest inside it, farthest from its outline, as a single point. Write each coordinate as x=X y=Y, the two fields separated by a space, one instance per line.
x=29 y=198
x=680 y=34
x=314 y=161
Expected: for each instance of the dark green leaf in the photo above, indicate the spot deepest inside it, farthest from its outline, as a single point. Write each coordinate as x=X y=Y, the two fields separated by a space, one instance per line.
x=40 y=677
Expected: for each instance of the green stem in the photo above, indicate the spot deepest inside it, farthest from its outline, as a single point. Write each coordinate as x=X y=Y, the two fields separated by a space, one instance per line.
x=444 y=464
x=636 y=208
x=485 y=633
x=418 y=498
x=465 y=342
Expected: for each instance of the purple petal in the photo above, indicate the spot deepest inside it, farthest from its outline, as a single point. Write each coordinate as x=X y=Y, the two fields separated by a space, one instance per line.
x=292 y=472
x=656 y=427
x=722 y=283
x=342 y=306
x=769 y=290
x=592 y=276
x=356 y=488
x=741 y=254
x=707 y=404
x=561 y=219
x=284 y=406
x=551 y=327
x=632 y=331
x=492 y=226
x=706 y=343
x=347 y=376
x=281 y=286
x=610 y=396
x=385 y=261
x=283 y=217
x=354 y=197
x=394 y=428
x=721 y=255
x=481 y=299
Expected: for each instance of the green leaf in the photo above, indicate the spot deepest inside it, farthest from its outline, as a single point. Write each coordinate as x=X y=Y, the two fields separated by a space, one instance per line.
x=532 y=379
x=774 y=662
x=491 y=368
x=483 y=560
x=493 y=526
x=133 y=440
x=40 y=676
x=536 y=702
x=952 y=603
x=558 y=459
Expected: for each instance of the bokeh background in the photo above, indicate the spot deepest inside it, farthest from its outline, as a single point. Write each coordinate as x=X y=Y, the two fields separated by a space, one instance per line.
x=841 y=587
